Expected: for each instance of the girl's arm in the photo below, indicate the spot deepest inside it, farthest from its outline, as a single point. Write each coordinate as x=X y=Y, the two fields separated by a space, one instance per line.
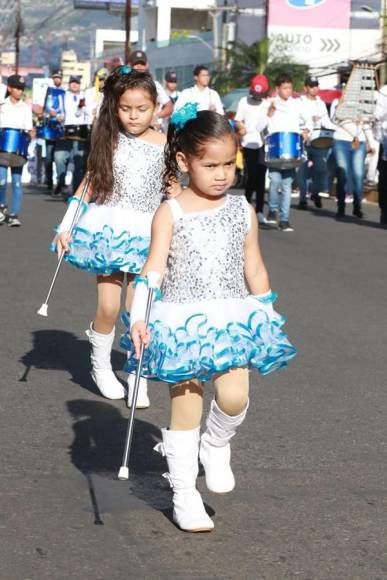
x=162 y=227
x=255 y=270
x=63 y=236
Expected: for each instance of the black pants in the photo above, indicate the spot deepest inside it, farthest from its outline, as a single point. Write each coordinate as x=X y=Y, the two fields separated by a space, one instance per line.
x=382 y=183
x=255 y=175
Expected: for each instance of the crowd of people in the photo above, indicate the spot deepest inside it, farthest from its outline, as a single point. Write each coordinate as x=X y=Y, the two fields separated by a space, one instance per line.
x=332 y=150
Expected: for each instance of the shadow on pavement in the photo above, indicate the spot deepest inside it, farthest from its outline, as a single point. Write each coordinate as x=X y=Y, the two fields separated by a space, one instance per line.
x=349 y=219
x=61 y=350
x=96 y=451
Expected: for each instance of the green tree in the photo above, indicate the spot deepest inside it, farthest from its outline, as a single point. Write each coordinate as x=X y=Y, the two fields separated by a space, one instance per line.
x=245 y=61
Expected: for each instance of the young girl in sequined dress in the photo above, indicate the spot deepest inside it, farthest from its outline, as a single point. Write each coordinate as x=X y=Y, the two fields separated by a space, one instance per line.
x=215 y=319
x=112 y=237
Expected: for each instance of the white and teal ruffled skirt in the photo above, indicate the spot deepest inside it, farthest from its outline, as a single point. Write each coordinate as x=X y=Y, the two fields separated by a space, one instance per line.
x=202 y=339
x=109 y=239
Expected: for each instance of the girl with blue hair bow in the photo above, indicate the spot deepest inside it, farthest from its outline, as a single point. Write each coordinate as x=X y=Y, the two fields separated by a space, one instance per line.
x=215 y=319
x=125 y=187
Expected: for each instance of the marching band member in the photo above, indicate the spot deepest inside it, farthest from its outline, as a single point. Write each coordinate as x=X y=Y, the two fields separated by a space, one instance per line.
x=284 y=114
x=112 y=237
x=207 y=99
x=94 y=95
x=350 y=144
x=380 y=115
x=139 y=61
x=215 y=318
x=75 y=144
x=55 y=112
x=251 y=110
x=317 y=157
x=14 y=114
x=171 y=86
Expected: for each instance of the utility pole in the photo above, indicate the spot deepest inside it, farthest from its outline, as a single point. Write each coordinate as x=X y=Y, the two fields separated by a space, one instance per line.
x=128 y=14
x=18 y=31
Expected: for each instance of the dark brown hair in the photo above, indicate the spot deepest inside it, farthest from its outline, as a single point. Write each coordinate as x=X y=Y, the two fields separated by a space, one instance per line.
x=107 y=127
x=192 y=138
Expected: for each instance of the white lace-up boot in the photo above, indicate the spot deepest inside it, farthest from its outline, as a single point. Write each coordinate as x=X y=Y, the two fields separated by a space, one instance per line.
x=181 y=448
x=215 y=452
x=143 y=401
x=102 y=374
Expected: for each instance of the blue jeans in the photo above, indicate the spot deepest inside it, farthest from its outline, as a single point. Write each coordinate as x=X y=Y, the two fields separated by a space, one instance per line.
x=317 y=173
x=17 y=191
x=349 y=162
x=65 y=149
x=281 y=179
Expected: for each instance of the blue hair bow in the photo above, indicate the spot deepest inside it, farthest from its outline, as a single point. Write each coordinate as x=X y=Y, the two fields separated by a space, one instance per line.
x=186 y=113
x=125 y=69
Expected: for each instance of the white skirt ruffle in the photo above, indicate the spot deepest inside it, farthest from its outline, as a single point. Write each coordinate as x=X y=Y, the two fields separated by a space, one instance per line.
x=202 y=339
x=108 y=239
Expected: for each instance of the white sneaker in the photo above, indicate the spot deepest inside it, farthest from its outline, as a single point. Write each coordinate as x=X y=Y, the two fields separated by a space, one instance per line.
x=261 y=218
x=143 y=401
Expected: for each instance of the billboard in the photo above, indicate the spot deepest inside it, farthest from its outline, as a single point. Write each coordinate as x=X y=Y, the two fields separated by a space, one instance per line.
x=313 y=32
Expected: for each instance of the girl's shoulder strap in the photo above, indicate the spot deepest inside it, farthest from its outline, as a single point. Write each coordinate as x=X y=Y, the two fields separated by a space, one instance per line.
x=175 y=208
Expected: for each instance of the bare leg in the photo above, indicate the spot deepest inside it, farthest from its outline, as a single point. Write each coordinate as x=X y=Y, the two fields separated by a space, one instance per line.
x=186 y=405
x=232 y=391
x=109 y=300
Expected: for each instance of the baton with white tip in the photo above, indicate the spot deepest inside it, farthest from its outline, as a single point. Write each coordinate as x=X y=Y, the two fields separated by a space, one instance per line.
x=43 y=310
x=123 y=474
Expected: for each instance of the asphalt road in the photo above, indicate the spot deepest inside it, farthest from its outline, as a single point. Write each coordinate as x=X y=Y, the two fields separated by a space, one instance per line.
x=310 y=460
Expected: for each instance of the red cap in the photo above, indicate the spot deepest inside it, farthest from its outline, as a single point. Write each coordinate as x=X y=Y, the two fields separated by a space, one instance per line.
x=259 y=84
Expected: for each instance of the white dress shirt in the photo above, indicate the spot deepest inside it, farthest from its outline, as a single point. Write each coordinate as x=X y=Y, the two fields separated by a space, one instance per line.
x=347 y=130
x=380 y=115
x=75 y=115
x=162 y=96
x=16 y=115
x=287 y=118
x=317 y=108
x=207 y=99
x=3 y=92
x=251 y=113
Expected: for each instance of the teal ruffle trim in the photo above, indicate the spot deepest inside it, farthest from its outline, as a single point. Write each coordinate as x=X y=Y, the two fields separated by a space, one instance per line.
x=198 y=350
x=103 y=253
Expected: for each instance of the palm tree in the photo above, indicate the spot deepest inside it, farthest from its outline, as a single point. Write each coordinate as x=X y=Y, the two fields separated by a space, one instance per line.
x=245 y=61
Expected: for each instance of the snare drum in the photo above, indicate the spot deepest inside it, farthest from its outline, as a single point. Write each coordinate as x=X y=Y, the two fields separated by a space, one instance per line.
x=51 y=131
x=13 y=147
x=284 y=150
x=321 y=138
x=77 y=132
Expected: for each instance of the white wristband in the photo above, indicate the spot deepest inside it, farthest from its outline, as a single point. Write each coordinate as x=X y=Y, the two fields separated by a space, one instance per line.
x=140 y=298
x=68 y=218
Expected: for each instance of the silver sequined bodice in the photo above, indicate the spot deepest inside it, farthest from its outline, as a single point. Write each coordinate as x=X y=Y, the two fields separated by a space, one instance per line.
x=206 y=257
x=137 y=169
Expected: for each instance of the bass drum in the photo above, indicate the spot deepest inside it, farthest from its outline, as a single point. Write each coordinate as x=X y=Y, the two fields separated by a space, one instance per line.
x=284 y=150
x=13 y=147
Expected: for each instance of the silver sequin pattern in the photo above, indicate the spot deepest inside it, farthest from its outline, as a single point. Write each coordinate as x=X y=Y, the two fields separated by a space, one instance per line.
x=137 y=169
x=206 y=256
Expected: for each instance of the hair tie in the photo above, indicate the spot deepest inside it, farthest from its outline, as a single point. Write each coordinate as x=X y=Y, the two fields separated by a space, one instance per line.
x=125 y=69
x=186 y=113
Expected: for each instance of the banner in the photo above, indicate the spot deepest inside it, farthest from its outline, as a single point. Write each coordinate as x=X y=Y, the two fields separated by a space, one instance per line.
x=312 y=32
x=310 y=13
